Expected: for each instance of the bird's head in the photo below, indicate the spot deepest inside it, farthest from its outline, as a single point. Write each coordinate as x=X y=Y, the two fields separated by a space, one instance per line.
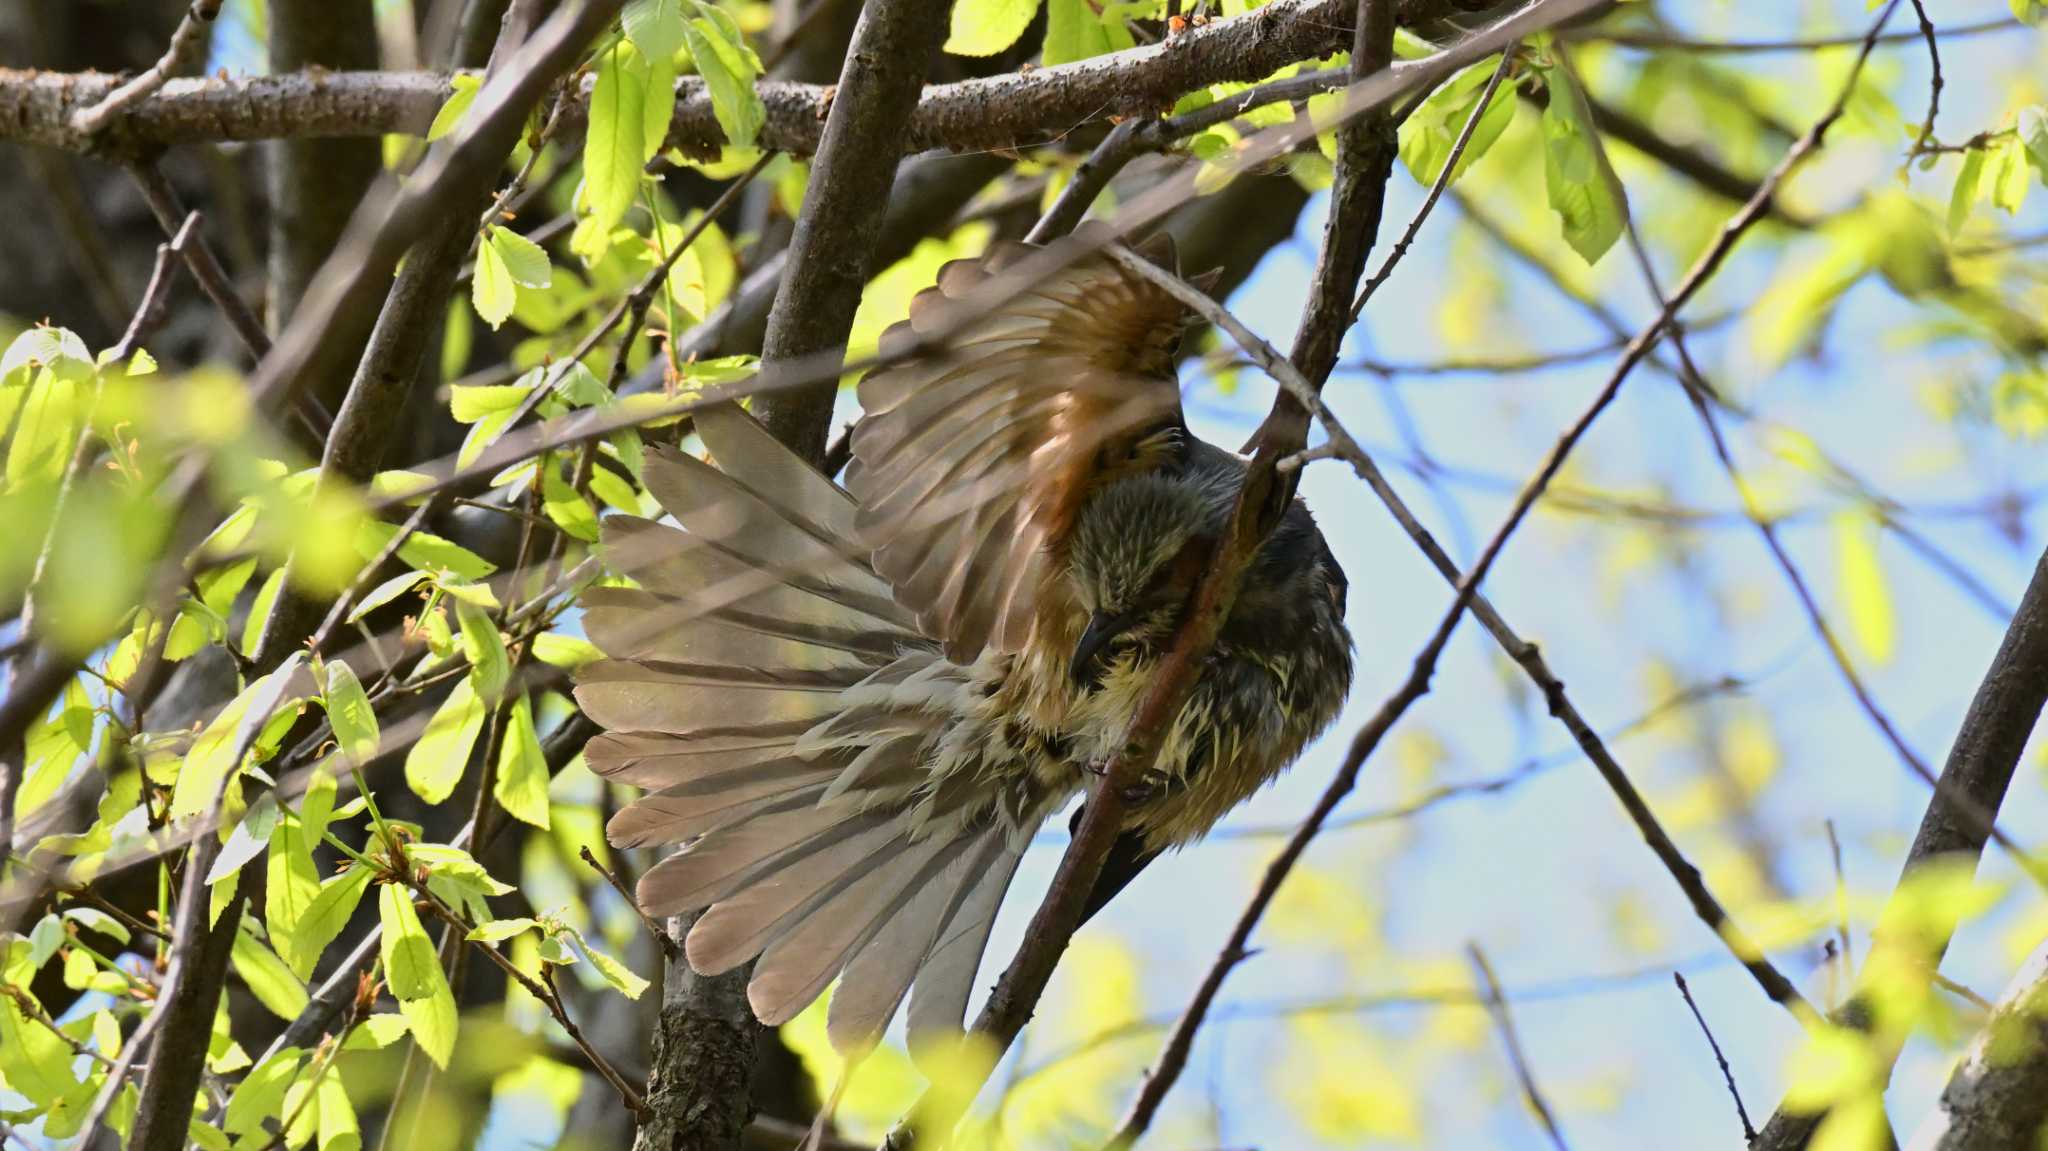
x=1139 y=548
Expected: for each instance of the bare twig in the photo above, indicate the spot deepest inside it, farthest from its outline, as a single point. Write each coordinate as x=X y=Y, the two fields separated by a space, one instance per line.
x=1505 y=1024
x=1841 y=901
x=662 y=942
x=1662 y=41
x=1727 y=1073
x=634 y=306
x=1436 y=187
x=188 y=44
x=206 y=268
x=1934 y=83
x=542 y=989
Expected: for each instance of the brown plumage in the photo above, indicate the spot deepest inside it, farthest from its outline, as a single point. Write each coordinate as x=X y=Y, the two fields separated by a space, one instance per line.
x=852 y=708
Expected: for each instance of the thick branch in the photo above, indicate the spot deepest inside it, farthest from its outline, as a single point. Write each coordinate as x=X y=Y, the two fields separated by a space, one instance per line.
x=1998 y=1095
x=1003 y=111
x=832 y=252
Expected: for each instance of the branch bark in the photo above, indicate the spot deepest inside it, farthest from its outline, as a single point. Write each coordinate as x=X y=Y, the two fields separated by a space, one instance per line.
x=1998 y=1096
x=832 y=252
x=1006 y=111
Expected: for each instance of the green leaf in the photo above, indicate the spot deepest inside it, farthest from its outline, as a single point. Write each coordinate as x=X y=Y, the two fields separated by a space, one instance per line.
x=475 y=594
x=1866 y=598
x=293 y=878
x=492 y=289
x=259 y=611
x=499 y=930
x=435 y=764
x=567 y=507
x=270 y=980
x=326 y=916
x=207 y=764
x=412 y=970
x=336 y=1129
x=375 y=1033
x=468 y=403
x=349 y=711
x=580 y=386
x=42 y=440
x=614 y=146
x=250 y=836
x=1964 y=195
x=2009 y=176
x=655 y=27
x=729 y=70
x=522 y=786
x=384 y=593
x=564 y=651
x=33 y=1060
x=260 y=1095
x=615 y=973
x=465 y=85
x=2033 y=133
x=490 y=668
x=986 y=27
x=1431 y=131
x=422 y=550
x=526 y=261
x=1584 y=191
x=1074 y=32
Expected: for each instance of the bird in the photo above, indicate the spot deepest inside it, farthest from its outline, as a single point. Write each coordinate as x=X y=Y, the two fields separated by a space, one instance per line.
x=851 y=708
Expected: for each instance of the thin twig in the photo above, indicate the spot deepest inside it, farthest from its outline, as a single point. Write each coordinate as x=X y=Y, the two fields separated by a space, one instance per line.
x=1660 y=41
x=543 y=990
x=1437 y=186
x=1727 y=1072
x=641 y=298
x=1497 y=1006
x=1841 y=901
x=1934 y=84
x=662 y=941
x=188 y=44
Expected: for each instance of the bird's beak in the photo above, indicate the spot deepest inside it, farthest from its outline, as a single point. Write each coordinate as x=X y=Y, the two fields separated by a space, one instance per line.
x=1103 y=627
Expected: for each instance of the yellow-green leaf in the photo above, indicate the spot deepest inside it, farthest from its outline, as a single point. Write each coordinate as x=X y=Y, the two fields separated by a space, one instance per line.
x=464 y=85
x=435 y=764
x=986 y=27
x=522 y=785
x=1584 y=191
x=1865 y=596
x=412 y=970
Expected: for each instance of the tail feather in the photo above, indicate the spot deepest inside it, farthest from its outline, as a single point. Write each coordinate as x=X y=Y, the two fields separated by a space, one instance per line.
x=795 y=968
x=938 y=997
x=696 y=578
x=635 y=626
x=739 y=926
x=683 y=812
x=879 y=976
x=719 y=511
x=733 y=857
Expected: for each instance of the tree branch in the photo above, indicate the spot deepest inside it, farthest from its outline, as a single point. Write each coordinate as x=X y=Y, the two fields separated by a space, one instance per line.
x=1007 y=111
x=1998 y=1095
x=832 y=252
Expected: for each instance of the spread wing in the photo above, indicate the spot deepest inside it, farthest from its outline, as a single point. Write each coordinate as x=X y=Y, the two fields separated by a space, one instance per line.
x=971 y=463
